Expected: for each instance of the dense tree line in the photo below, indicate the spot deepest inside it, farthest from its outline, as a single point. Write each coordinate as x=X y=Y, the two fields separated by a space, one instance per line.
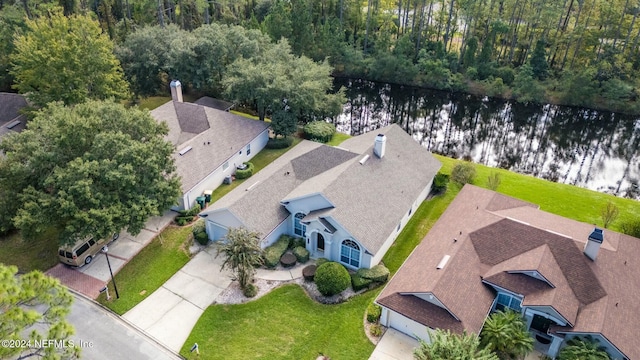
x=578 y=52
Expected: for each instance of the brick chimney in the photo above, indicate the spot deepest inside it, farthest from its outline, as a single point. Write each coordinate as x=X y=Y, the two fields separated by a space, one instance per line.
x=592 y=247
x=176 y=91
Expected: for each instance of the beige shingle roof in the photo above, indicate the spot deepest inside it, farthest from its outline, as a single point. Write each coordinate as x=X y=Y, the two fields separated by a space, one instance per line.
x=369 y=199
x=213 y=135
x=10 y=106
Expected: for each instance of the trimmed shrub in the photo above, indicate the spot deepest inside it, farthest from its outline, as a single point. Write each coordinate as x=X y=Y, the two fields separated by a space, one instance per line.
x=378 y=273
x=463 y=173
x=279 y=143
x=301 y=254
x=250 y=291
x=321 y=131
x=309 y=272
x=358 y=282
x=295 y=242
x=273 y=253
x=375 y=330
x=321 y=261
x=202 y=238
x=243 y=174
x=440 y=183
x=288 y=260
x=332 y=278
x=186 y=216
x=373 y=313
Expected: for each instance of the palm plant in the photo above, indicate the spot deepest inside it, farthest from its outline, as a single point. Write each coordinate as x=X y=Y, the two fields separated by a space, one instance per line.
x=583 y=349
x=445 y=346
x=242 y=253
x=505 y=333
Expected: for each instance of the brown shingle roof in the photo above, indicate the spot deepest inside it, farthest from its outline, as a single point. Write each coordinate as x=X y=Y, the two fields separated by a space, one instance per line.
x=421 y=311
x=595 y=296
x=506 y=239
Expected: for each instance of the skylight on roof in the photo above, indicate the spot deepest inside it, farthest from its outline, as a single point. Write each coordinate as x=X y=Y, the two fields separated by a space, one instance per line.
x=443 y=262
x=13 y=124
x=185 y=150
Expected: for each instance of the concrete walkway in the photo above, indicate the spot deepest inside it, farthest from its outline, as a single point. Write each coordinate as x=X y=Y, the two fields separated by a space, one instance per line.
x=394 y=345
x=170 y=313
x=89 y=279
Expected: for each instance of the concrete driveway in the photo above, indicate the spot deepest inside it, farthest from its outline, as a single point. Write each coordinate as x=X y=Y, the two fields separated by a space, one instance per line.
x=170 y=313
x=89 y=279
x=394 y=345
x=105 y=336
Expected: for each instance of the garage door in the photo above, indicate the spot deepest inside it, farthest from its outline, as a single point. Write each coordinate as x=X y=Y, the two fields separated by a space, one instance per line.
x=408 y=326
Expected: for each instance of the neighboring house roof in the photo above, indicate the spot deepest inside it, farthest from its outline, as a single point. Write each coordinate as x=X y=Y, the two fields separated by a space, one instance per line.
x=213 y=135
x=214 y=103
x=500 y=240
x=369 y=199
x=10 y=118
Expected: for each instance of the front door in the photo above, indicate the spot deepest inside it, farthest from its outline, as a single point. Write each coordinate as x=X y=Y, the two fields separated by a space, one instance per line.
x=320 y=242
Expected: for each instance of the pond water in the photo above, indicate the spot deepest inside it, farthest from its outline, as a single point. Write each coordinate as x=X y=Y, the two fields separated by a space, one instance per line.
x=588 y=148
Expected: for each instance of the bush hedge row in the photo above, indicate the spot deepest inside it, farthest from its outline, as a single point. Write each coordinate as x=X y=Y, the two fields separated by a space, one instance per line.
x=186 y=216
x=332 y=278
x=302 y=254
x=273 y=253
x=279 y=143
x=369 y=278
x=373 y=313
x=321 y=131
x=378 y=273
x=243 y=174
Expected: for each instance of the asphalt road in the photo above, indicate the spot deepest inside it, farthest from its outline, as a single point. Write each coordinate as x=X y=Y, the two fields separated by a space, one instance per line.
x=103 y=335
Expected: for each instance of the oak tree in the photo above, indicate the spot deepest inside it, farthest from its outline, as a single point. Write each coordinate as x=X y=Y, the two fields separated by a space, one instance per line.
x=66 y=59
x=89 y=170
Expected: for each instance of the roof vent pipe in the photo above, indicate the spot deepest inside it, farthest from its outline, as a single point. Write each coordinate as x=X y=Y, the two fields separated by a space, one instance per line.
x=592 y=247
x=379 y=145
x=176 y=91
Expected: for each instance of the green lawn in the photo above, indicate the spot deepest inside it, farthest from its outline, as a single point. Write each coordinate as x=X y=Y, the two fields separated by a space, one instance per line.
x=153 y=102
x=338 y=138
x=284 y=324
x=260 y=161
x=37 y=254
x=151 y=268
x=561 y=199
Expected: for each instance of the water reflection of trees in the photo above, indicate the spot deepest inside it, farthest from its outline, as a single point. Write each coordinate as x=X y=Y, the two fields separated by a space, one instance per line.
x=594 y=149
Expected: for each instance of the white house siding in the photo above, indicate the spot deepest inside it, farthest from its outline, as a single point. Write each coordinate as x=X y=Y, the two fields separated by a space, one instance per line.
x=282 y=228
x=405 y=325
x=216 y=177
x=217 y=223
x=403 y=222
x=216 y=231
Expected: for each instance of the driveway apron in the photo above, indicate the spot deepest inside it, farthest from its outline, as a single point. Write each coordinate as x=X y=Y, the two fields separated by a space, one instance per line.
x=170 y=313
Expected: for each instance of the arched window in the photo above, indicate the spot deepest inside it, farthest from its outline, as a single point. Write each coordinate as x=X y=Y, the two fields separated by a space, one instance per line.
x=350 y=253
x=298 y=227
